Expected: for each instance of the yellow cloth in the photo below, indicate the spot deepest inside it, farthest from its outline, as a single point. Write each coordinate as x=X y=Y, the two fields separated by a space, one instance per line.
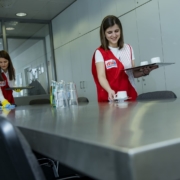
x=17 y=90
x=5 y=102
x=5 y=112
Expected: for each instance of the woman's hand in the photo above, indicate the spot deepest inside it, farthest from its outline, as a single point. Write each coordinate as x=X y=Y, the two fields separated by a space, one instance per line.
x=144 y=71
x=17 y=90
x=5 y=103
x=111 y=94
x=154 y=67
x=148 y=69
x=103 y=80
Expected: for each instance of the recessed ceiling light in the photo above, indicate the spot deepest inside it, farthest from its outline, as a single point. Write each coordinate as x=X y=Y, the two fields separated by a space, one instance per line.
x=21 y=14
x=9 y=28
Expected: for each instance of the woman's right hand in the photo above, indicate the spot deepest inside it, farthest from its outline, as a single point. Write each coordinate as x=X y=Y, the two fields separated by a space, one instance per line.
x=111 y=94
x=103 y=80
x=5 y=103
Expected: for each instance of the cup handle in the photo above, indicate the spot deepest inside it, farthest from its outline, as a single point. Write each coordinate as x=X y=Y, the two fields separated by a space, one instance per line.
x=115 y=96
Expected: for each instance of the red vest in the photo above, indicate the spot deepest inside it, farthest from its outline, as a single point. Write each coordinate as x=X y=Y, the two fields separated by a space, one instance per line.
x=115 y=74
x=7 y=93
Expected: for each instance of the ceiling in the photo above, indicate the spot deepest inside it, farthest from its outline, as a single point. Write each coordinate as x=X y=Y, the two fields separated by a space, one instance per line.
x=35 y=9
x=34 y=25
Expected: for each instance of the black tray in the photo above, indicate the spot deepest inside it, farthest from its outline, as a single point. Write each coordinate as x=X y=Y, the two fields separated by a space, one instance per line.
x=149 y=65
x=20 y=87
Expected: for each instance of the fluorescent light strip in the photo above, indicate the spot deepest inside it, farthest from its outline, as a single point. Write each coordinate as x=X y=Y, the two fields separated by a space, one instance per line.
x=21 y=14
x=9 y=28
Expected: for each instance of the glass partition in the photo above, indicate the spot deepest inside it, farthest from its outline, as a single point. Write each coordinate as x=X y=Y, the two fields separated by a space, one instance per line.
x=1 y=38
x=29 y=48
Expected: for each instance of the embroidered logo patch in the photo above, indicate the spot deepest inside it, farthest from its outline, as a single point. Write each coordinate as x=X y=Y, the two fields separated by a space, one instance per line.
x=110 y=63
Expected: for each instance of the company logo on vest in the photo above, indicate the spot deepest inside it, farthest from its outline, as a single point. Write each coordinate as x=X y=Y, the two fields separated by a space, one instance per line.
x=110 y=64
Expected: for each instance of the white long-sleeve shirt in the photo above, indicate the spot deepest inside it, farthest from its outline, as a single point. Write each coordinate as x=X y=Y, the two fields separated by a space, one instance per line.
x=11 y=83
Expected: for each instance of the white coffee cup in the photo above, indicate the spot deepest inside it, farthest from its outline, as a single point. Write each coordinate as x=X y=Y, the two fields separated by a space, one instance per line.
x=155 y=60
x=120 y=95
x=143 y=63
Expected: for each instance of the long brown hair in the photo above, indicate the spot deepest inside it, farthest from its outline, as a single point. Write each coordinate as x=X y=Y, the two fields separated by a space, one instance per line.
x=1 y=78
x=11 y=71
x=107 y=22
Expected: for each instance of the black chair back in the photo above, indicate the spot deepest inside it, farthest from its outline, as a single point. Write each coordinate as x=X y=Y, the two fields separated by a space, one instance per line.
x=16 y=158
x=83 y=100
x=157 y=95
x=39 y=101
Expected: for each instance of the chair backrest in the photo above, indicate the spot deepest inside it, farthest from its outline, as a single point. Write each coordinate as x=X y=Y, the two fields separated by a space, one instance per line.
x=83 y=100
x=39 y=101
x=16 y=158
x=156 y=95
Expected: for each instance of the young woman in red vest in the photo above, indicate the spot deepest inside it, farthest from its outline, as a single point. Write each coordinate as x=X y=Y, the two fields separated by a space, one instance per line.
x=7 y=75
x=110 y=59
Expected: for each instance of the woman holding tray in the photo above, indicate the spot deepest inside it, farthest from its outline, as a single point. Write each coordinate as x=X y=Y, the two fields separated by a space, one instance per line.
x=110 y=60
x=7 y=76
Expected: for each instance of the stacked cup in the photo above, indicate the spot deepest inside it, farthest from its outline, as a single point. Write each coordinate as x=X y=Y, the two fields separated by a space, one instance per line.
x=72 y=94
x=61 y=95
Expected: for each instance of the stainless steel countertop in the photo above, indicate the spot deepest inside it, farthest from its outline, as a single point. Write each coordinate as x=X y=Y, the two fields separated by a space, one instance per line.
x=105 y=141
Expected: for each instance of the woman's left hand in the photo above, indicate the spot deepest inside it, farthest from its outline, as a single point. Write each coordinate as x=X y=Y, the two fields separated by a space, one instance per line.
x=17 y=90
x=147 y=70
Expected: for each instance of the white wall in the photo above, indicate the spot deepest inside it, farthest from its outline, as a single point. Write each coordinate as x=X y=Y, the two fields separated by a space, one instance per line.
x=149 y=26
